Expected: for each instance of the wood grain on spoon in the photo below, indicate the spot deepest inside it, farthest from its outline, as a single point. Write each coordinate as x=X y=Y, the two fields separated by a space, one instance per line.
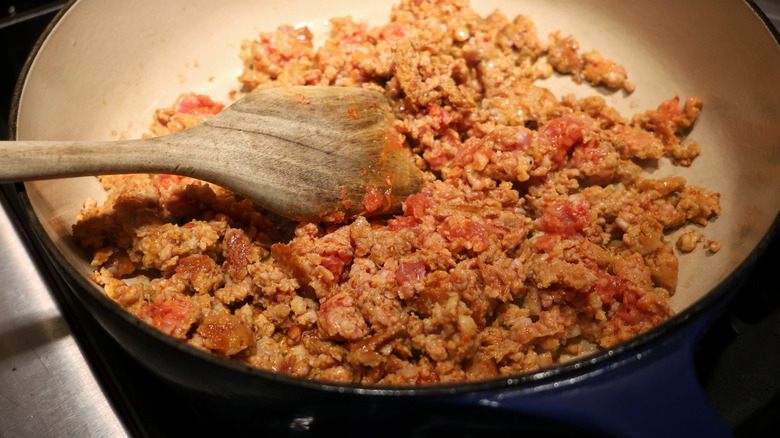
x=306 y=153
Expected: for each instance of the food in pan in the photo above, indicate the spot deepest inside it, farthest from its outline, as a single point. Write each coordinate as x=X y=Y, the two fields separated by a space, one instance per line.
x=536 y=238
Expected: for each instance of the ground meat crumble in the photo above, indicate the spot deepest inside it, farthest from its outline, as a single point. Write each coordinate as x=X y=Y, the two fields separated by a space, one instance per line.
x=536 y=238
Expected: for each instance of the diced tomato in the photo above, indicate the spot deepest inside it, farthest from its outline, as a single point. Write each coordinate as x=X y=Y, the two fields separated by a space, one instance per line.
x=336 y=261
x=170 y=186
x=165 y=184
x=410 y=272
x=402 y=223
x=417 y=203
x=335 y=251
x=171 y=316
x=407 y=275
x=608 y=287
x=198 y=104
x=465 y=229
x=171 y=189
x=373 y=200
x=568 y=217
x=628 y=311
x=590 y=154
x=338 y=317
x=562 y=134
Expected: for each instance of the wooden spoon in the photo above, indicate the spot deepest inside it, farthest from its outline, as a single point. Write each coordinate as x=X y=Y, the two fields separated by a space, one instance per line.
x=306 y=153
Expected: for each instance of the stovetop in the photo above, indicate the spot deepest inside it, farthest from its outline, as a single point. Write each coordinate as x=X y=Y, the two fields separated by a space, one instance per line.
x=738 y=359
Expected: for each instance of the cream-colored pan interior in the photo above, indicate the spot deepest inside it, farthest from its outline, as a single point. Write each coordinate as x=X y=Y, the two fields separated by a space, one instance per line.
x=105 y=67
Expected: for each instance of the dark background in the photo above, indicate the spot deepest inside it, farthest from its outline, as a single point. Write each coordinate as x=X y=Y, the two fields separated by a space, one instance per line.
x=738 y=359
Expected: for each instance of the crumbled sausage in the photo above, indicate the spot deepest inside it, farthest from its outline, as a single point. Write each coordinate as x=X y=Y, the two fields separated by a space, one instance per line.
x=536 y=237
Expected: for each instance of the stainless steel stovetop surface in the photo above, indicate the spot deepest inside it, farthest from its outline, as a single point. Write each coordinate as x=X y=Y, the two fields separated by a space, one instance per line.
x=49 y=386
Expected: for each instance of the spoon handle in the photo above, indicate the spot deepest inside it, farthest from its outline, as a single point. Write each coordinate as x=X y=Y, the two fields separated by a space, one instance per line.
x=33 y=160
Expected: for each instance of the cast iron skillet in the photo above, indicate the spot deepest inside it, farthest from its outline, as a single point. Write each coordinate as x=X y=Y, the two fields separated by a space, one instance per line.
x=99 y=70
